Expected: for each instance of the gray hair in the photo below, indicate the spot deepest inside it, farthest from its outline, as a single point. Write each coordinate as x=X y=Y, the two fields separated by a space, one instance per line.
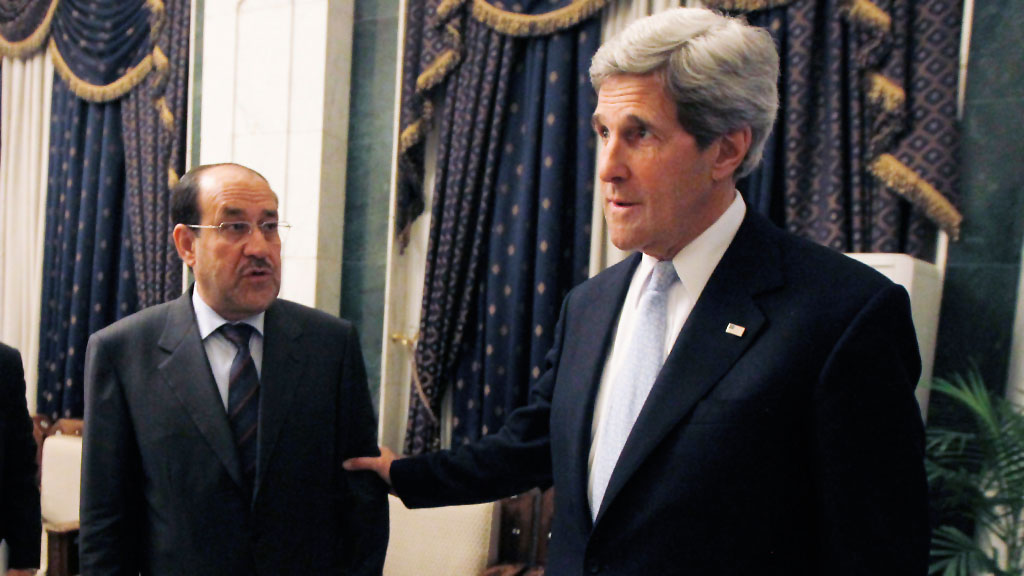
x=720 y=71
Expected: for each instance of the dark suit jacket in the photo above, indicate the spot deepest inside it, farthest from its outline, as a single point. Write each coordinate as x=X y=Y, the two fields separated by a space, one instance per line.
x=161 y=487
x=20 y=523
x=796 y=449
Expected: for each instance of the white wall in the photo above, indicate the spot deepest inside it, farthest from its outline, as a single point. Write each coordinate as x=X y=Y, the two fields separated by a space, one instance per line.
x=275 y=97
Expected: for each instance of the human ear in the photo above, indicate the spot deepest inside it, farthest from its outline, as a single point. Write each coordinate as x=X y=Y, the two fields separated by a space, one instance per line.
x=732 y=149
x=185 y=243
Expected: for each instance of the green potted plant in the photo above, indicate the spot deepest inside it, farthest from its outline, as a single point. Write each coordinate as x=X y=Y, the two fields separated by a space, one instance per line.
x=979 y=476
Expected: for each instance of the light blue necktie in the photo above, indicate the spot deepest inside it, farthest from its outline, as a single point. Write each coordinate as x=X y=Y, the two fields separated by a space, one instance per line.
x=644 y=355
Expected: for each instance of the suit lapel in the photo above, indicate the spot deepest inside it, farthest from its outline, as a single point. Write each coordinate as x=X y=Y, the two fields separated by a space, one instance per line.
x=187 y=371
x=283 y=362
x=704 y=352
x=603 y=305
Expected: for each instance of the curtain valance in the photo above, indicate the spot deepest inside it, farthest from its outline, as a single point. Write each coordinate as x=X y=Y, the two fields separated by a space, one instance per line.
x=434 y=48
x=24 y=25
x=101 y=48
x=909 y=147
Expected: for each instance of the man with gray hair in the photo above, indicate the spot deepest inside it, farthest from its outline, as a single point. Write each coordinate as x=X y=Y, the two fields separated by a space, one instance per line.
x=730 y=400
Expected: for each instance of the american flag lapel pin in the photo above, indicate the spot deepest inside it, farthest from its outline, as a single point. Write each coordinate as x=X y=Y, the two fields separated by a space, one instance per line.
x=735 y=329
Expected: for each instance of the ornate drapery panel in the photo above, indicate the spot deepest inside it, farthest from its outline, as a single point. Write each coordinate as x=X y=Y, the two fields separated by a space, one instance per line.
x=24 y=25
x=509 y=230
x=87 y=268
x=154 y=140
x=119 y=109
x=864 y=153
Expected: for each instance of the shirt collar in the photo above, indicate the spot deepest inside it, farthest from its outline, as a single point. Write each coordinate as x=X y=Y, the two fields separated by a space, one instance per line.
x=209 y=321
x=697 y=260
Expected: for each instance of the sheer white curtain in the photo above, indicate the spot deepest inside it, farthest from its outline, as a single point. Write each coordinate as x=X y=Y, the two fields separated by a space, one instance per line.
x=615 y=18
x=24 y=151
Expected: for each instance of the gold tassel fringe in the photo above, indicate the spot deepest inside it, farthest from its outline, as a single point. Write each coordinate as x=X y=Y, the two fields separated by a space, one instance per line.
x=34 y=42
x=745 y=5
x=514 y=24
x=93 y=92
x=901 y=179
x=417 y=131
x=447 y=8
x=885 y=93
x=438 y=70
x=157 y=21
x=867 y=13
x=172 y=178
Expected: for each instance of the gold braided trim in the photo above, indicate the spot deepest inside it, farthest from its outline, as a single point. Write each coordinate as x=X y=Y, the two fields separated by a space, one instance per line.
x=885 y=93
x=157 y=21
x=899 y=178
x=95 y=93
x=166 y=116
x=867 y=13
x=157 y=18
x=438 y=70
x=160 y=60
x=34 y=42
x=513 y=24
x=415 y=132
x=447 y=8
x=745 y=5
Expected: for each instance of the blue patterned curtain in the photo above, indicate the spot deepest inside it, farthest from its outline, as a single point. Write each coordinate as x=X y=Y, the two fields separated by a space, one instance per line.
x=116 y=147
x=539 y=242
x=87 y=267
x=154 y=115
x=510 y=224
x=24 y=25
x=864 y=157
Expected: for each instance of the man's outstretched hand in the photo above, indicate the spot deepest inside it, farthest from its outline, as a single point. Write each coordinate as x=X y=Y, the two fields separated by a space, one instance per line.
x=379 y=464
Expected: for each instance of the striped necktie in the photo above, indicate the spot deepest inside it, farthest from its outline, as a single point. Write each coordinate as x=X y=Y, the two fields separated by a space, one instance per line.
x=243 y=399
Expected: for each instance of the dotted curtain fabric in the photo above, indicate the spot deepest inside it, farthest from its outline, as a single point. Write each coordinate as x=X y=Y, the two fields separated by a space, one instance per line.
x=23 y=24
x=864 y=156
x=154 y=145
x=539 y=244
x=117 y=145
x=88 y=281
x=430 y=49
x=510 y=224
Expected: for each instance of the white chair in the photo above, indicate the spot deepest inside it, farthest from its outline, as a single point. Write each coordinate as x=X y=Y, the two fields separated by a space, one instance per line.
x=59 y=492
x=455 y=540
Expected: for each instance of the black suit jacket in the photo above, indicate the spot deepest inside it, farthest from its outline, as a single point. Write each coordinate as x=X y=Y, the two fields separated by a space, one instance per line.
x=161 y=488
x=794 y=449
x=20 y=522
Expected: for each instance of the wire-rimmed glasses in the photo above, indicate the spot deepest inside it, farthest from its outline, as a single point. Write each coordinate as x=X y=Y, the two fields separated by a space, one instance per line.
x=273 y=231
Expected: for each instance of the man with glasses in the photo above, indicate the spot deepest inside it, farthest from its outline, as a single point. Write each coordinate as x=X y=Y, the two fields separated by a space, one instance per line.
x=216 y=424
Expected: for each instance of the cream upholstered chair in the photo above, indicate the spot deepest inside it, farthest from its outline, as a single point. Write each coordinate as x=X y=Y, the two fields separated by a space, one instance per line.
x=459 y=540
x=59 y=490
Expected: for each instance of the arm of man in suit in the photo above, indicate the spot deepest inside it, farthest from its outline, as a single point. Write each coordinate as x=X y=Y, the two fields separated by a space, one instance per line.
x=366 y=516
x=19 y=496
x=111 y=501
x=508 y=462
x=868 y=446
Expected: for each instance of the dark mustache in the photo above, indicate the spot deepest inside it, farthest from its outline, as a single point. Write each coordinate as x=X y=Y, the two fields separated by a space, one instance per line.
x=257 y=265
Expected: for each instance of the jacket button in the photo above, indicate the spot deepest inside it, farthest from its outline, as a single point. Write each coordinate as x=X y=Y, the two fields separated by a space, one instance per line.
x=593 y=566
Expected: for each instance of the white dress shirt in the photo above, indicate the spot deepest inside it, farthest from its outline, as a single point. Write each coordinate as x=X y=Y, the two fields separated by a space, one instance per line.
x=219 y=350
x=694 y=265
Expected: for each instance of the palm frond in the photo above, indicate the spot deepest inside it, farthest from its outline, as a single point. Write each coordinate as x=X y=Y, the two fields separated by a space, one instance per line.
x=978 y=474
x=957 y=554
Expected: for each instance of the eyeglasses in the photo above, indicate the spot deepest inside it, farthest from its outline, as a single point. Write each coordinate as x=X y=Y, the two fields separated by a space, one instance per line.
x=273 y=232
